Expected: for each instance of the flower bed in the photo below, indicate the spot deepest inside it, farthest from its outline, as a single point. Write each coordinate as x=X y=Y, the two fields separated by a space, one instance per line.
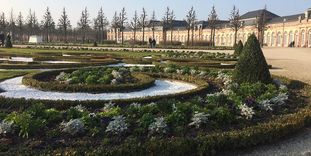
x=89 y=83
x=202 y=125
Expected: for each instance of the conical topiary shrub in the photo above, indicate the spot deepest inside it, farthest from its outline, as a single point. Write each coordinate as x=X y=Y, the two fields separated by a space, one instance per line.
x=238 y=48
x=252 y=66
x=8 y=43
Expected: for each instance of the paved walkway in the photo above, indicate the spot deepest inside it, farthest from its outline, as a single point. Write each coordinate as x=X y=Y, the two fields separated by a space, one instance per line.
x=296 y=64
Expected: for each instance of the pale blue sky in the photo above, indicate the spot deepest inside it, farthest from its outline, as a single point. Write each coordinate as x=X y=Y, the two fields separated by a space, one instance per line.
x=203 y=7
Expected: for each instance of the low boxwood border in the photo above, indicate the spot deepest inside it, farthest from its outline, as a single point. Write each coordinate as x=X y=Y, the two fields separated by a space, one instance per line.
x=207 y=144
x=202 y=88
x=55 y=66
x=36 y=81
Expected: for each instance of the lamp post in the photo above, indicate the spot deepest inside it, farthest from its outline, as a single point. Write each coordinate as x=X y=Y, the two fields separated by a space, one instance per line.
x=284 y=20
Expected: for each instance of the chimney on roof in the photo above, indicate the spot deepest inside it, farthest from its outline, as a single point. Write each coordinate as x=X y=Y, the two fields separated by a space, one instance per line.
x=308 y=14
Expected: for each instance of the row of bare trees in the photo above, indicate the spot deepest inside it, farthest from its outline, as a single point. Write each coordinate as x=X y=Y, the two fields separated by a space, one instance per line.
x=98 y=26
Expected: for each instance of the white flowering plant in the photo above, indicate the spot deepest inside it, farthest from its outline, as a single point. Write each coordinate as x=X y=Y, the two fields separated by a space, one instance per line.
x=159 y=126
x=117 y=126
x=246 y=112
x=198 y=119
x=73 y=127
x=6 y=127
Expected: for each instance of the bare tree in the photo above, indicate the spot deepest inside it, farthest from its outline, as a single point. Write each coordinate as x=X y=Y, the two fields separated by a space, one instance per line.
x=32 y=23
x=84 y=23
x=261 y=25
x=171 y=24
x=47 y=24
x=235 y=22
x=36 y=28
x=212 y=22
x=12 y=25
x=115 y=24
x=134 y=25
x=20 y=25
x=3 y=23
x=165 y=24
x=190 y=19
x=152 y=24
x=122 y=20
x=101 y=23
x=142 y=23
x=64 y=24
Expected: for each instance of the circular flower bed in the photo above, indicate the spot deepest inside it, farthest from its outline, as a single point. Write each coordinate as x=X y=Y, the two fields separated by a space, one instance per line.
x=92 y=80
x=231 y=116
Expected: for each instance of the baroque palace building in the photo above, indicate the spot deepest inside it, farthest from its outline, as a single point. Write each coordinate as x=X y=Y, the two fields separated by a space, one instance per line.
x=280 y=31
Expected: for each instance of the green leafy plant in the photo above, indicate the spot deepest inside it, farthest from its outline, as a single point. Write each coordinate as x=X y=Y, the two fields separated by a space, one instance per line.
x=26 y=123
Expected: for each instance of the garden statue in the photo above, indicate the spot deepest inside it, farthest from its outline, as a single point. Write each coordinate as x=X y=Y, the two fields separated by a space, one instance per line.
x=2 y=38
x=150 y=42
x=154 y=42
x=8 y=42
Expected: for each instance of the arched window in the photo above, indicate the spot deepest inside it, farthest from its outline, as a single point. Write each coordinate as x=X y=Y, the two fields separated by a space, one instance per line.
x=285 y=43
x=268 y=39
x=291 y=37
x=309 y=40
x=279 y=39
x=303 y=38
x=272 y=40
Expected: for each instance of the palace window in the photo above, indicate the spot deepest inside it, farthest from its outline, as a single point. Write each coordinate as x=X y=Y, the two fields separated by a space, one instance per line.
x=268 y=39
x=272 y=39
x=285 y=43
x=303 y=38
x=291 y=37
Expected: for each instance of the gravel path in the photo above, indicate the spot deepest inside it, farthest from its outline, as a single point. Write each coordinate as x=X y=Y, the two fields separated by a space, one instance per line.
x=14 y=89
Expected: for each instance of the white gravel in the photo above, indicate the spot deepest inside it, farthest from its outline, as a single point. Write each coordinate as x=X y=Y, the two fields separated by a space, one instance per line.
x=130 y=65
x=60 y=62
x=14 y=89
x=21 y=59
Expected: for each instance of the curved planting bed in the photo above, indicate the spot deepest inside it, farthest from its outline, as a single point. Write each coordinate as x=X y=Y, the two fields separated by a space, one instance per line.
x=15 y=89
x=97 y=80
x=156 y=86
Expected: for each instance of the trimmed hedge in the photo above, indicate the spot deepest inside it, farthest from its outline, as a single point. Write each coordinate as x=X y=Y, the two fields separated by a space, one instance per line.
x=202 y=88
x=205 y=144
x=38 y=81
x=55 y=66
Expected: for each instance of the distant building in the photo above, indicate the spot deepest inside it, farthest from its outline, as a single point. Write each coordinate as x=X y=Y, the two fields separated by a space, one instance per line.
x=280 y=31
x=35 y=39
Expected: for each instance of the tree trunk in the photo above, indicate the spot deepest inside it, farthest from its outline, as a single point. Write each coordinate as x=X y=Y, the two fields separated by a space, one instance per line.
x=211 y=37
x=192 y=36
x=188 y=37
x=153 y=32
x=115 y=35
x=122 y=37
x=235 y=36
x=143 y=35
x=171 y=36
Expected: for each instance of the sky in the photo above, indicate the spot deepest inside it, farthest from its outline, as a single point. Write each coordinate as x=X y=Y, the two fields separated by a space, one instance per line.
x=180 y=7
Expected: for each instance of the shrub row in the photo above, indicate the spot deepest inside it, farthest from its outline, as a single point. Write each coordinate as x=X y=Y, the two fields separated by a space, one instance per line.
x=171 y=43
x=43 y=81
x=203 y=144
x=211 y=144
x=55 y=66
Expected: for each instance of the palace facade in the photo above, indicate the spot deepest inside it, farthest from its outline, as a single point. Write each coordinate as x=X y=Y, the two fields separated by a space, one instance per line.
x=280 y=31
